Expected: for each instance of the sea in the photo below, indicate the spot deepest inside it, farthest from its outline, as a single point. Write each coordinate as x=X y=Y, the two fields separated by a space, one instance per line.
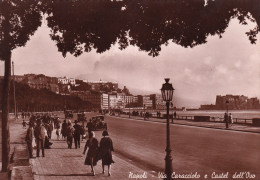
x=241 y=114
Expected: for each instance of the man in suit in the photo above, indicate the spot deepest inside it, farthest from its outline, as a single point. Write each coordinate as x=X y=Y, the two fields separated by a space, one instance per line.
x=29 y=139
x=39 y=135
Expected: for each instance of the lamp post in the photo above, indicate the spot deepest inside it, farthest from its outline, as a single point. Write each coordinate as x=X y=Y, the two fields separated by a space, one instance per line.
x=15 y=110
x=226 y=116
x=167 y=93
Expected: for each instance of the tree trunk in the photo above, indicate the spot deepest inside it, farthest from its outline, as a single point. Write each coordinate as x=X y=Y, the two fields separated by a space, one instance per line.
x=5 y=113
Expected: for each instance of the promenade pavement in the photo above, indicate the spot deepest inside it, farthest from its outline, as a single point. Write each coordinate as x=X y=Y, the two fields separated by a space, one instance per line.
x=63 y=163
x=18 y=150
x=210 y=124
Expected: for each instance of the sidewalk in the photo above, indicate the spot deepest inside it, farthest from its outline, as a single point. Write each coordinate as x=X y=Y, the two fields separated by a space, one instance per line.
x=63 y=163
x=18 y=150
x=211 y=124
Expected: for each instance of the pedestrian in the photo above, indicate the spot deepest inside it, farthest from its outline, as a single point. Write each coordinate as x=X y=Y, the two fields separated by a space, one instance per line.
x=40 y=137
x=106 y=148
x=77 y=133
x=47 y=143
x=92 y=146
x=49 y=128
x=29 y=139
x=69 y=134
x=83 y=132
x=24 y=124
x=58 y=130
x=230 y=118
x=64 y=129
x=226 y=119
x=174 y=116
x=90 y=126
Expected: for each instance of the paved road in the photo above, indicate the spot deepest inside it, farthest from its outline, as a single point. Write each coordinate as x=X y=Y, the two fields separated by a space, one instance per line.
x=195 y=149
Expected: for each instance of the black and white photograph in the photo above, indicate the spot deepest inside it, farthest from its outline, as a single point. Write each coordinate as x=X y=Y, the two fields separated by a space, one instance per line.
x=129 y=89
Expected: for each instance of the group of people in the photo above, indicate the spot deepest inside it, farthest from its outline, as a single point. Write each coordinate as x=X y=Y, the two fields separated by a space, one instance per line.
x=97 y=152
x=39 y=132
x=70 y=132
x=39 y=128
x=228 y=119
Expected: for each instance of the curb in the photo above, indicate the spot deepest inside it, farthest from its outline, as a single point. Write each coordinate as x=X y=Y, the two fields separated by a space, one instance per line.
x=21 y=167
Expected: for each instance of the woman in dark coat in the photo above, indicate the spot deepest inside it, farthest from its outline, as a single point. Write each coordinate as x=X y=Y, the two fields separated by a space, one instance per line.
x=64 y=129
x=92 y=146
x=106 y=148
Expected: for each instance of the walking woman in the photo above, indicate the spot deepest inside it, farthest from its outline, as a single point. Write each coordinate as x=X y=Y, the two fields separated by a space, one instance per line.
x=69 y=133
x=106 y=148
x=92 y=146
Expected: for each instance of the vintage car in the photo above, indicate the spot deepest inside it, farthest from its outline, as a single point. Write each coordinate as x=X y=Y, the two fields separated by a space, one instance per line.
x=98 y=123
x=68 y=114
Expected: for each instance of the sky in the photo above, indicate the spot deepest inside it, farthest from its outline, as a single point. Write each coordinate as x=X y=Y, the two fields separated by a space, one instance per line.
x=229 y=65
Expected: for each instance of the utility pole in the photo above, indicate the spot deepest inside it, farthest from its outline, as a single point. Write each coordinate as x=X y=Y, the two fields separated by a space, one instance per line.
x=15 y=110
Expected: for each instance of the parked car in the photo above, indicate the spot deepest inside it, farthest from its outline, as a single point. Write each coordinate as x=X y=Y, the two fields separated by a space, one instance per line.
x=98 y=123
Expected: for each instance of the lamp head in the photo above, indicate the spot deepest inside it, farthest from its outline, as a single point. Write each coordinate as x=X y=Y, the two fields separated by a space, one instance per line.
x=167 y=90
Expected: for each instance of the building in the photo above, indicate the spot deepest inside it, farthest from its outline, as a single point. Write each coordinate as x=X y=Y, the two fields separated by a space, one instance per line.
x=104 y=101
x=54 y=88
x=207 y=107
x=18 y=78
x=158 y=102
x=112 y=101
x=40 y=81
x=128 y=99
x=126 y=91
x=235 y=102
x=89 y=96
x=102 y=85
x=147 y=102
x=66 y=80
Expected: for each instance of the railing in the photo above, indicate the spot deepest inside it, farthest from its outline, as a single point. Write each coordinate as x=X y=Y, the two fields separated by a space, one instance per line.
x=219 y=119
x=245 y=121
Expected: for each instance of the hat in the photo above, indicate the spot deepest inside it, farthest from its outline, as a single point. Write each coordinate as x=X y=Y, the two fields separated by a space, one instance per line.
x=105 y=133
x=39 y=121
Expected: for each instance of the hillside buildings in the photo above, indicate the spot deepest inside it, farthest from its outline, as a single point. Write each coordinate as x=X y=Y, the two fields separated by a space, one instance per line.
x=103 y=95
x=107 y=95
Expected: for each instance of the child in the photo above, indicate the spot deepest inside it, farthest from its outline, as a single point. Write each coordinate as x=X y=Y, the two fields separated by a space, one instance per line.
x=24 y=124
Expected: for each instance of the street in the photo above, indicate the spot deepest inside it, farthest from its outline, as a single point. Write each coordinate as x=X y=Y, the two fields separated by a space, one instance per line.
x=194 y=149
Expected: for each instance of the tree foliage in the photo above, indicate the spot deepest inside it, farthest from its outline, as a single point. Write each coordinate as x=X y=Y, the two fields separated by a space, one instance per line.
x=19 y=20
x=79 y=26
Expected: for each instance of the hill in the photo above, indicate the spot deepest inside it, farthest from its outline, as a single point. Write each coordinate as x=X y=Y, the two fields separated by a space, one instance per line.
x=28 y=99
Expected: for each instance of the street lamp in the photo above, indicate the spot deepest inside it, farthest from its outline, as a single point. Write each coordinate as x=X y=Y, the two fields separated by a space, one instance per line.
x=15 y=110
x=167 y=93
